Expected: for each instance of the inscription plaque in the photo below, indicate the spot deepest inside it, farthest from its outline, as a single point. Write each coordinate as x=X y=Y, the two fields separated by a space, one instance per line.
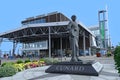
x=74 y=68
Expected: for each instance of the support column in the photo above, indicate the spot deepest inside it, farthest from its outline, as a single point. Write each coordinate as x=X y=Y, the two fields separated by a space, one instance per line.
x=13 y=51
x=49 y=43
x=39 y=54
x=90 y=44
x=84 y=43
x=61 y=48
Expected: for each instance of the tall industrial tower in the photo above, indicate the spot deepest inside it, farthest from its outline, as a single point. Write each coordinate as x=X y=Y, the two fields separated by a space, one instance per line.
x=104 y=29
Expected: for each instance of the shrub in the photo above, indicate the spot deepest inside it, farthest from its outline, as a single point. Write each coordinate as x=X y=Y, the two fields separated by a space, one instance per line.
x=34 y=61
x=7 y=63
x=26 y=65
x=19 y=61
x=49 y=61
x=117 y=58
x=108 y=54
x=55 y=61
x=42 y=59
x=27 y=60
x=31 y=65
x=7 y=71
x=19 y=67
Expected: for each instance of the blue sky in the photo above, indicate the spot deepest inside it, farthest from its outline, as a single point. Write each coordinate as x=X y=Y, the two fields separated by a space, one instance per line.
x=12 y=12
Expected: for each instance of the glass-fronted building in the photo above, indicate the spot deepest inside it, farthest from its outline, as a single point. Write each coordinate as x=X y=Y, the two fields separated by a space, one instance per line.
x=35 y=47
x=40 y=47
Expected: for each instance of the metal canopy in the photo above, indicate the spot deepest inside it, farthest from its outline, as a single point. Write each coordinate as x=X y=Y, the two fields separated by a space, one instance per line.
x=35 y=32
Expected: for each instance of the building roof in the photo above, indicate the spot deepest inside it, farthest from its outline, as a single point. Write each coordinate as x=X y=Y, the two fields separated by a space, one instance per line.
x=32 y=32
x=95 y=27
x=44 y=25
x=86 y=28
x=40 y=30
x=35 y=25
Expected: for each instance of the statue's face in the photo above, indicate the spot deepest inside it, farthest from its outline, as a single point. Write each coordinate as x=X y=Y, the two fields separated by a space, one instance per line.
x=73 y=17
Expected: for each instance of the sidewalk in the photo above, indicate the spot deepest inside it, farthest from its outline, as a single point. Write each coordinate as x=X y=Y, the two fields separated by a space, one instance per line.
x=108 y=72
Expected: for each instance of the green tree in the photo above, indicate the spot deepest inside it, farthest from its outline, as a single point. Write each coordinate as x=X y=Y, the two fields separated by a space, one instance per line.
x=117 y=58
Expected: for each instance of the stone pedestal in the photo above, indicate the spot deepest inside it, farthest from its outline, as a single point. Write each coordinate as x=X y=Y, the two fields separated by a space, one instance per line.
x=81 y=68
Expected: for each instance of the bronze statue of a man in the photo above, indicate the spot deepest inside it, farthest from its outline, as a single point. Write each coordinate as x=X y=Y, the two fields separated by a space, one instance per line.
x=74 y=38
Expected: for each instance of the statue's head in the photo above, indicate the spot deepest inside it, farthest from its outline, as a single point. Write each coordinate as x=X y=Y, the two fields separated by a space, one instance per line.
x=73 y=17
